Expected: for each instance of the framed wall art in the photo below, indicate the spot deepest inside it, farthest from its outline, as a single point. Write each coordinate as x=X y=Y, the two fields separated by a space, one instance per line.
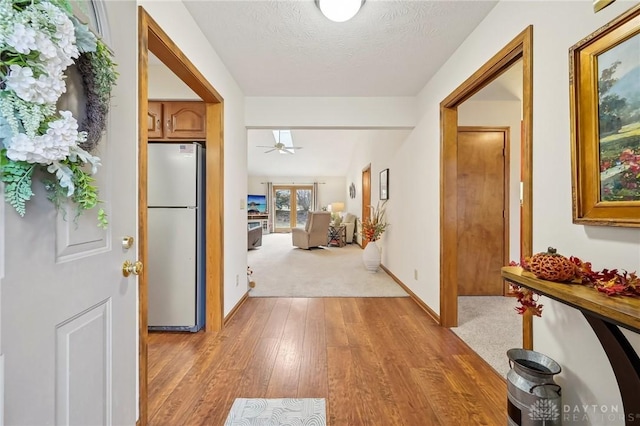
x=604 y=86
x=384 y=184
x=598 y=5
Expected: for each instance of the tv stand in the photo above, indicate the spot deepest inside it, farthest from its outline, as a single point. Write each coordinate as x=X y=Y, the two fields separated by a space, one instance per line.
x=261 y=220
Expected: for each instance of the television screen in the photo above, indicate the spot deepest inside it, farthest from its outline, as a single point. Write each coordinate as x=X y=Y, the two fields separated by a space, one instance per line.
x=256 y=204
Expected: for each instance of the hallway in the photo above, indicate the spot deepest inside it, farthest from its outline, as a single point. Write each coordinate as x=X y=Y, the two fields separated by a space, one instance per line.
x=376 y=361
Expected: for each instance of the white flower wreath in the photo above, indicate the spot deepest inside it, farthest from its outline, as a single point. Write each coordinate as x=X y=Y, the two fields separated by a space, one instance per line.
x=39 y=39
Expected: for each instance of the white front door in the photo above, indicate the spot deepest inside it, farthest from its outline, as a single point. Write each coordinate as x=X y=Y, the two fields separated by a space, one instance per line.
x=69 y=332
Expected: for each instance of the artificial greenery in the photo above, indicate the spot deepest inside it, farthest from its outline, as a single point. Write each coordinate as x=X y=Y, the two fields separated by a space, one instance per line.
x=98 y=76
x=375 y=225
x=39 y=39
x=85 y=194
x=16 y=176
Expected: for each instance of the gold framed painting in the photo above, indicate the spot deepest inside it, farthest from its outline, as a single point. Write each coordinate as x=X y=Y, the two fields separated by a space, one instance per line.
x=604 y=84
x=598 y=5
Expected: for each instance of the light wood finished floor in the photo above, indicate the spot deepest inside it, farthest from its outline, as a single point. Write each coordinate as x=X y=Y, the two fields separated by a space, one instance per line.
x=377 y=361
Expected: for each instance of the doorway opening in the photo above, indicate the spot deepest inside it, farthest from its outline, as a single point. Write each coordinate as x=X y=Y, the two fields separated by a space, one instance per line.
x=153 y=39
x=520 y=48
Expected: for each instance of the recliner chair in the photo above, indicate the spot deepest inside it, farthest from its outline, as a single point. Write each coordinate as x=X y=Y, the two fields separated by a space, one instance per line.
x=314 y=233
x=349 y=220
x=254 y=237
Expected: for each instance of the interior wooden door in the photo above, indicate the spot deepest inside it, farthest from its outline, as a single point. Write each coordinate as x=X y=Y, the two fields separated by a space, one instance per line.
x=481 y=211
x=366 y=197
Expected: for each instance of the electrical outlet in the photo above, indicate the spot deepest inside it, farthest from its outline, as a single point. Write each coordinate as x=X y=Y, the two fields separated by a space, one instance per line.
x=237 y=280
x=415 y=274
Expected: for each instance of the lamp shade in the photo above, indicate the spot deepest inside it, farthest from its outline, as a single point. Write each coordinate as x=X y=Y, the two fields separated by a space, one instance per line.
x=339 y=10
x=337 y=207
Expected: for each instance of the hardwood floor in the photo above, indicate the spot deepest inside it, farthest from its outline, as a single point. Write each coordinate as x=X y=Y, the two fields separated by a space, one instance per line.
x=376 y=361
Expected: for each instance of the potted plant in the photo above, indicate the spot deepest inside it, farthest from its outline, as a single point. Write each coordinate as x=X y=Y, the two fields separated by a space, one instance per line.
x=372 y=229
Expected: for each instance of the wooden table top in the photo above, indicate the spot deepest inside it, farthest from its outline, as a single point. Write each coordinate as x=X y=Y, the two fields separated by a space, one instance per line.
x=620 y=310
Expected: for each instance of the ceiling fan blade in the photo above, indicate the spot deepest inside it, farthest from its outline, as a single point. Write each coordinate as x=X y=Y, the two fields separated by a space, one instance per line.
x=282 y=149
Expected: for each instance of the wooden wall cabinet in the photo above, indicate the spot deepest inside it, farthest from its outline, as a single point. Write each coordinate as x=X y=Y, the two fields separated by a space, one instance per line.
x=169 y=120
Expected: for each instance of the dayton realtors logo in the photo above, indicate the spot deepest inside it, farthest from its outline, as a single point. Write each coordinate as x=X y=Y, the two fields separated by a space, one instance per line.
x=544 y=410
x=597 y=414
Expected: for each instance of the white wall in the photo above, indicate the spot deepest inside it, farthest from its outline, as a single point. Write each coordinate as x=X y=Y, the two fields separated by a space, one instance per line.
x=380 y=157
x=502 y=113
x=165 y=85
x=174 y=19
x=413 y=242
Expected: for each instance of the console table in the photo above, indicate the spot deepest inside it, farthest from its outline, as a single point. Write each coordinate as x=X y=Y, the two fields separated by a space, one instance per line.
x=604 y=314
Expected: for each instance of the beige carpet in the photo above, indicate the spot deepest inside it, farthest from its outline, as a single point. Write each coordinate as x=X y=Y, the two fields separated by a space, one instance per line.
x=281 y=270
x=490 y=326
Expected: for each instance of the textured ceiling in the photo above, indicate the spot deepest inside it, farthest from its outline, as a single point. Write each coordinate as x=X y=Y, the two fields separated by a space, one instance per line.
x=288 y=48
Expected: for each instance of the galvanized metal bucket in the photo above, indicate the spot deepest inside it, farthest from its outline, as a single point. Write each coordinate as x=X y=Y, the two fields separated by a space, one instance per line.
x=533 y=398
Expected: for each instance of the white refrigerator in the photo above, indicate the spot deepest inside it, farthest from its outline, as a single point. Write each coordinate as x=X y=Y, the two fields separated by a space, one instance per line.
x=175 y=194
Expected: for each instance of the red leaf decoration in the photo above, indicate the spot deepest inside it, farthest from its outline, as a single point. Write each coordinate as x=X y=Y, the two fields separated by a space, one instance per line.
x=608 y=281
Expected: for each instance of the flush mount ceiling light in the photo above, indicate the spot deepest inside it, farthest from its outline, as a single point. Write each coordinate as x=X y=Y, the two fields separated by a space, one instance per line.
x=339 y=10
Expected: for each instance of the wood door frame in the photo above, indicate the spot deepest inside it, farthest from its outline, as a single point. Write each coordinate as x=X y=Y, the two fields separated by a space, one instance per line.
x=293 y=189
x=521 y=47
x=366 y=197
x=151 y=38
x=506 y=186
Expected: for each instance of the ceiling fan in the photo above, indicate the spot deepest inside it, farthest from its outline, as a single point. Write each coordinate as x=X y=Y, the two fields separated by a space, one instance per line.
x=279 y=146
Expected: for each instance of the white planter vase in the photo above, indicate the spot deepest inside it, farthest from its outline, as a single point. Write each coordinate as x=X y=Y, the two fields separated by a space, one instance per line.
x=371 y=257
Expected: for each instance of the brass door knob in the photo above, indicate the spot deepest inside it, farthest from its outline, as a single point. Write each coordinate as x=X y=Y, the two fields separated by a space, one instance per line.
x=129 y=268
x=127 y=242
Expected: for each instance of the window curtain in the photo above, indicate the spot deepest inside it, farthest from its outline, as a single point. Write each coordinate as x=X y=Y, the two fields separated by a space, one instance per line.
x=314 y=198
x=270 y=206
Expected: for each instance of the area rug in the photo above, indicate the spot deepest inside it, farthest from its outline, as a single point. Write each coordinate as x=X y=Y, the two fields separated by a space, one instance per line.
x=282 y=270
x=277 y=412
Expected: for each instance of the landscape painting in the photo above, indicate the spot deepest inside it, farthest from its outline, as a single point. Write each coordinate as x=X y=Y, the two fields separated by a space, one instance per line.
x=619 y=121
